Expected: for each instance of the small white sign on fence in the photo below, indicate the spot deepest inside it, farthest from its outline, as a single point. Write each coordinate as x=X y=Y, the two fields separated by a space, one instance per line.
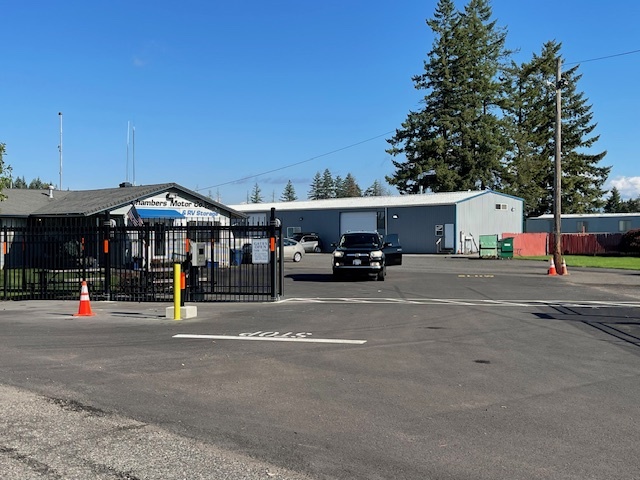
x=260 y=250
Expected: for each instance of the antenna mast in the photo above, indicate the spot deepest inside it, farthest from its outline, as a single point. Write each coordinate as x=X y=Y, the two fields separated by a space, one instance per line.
x=134 y=154
x=126 y=177
x=60 y=148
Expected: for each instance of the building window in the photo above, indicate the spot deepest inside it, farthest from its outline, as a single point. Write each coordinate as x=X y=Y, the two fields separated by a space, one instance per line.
x=582 y=226
x=439 y=230
x=501 y=206
x=293 y=230
x=624 y=225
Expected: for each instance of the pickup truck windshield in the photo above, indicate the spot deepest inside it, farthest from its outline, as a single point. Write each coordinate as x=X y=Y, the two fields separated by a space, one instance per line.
x=359 y=240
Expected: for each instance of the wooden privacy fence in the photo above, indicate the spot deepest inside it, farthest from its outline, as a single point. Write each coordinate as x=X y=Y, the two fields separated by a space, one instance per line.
x=136 y=263
x=536 y=244
x=587 y=243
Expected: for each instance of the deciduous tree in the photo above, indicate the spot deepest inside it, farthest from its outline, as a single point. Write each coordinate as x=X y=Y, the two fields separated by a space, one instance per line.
x=5 y=172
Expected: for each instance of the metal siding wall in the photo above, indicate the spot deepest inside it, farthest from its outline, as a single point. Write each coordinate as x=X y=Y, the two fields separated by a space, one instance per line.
x=478 y=216
x=416 y=226
x=597 y=224
x=570 y=225
x=539 y=225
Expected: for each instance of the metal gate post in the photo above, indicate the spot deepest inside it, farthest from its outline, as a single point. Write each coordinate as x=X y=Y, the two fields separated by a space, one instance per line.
x=273 y=259
x=107 y=257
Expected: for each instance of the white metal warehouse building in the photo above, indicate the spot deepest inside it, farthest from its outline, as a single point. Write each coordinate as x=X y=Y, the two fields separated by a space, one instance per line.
x=425 y=223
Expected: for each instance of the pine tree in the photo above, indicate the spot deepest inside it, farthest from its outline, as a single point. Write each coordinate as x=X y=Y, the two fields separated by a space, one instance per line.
x=256 y=194
x=531 y=111
x=20 y=182
x=350 y=187
x=631 y=205
x=315 y=192
x=456 y=142
x=338 y=187
x=328 y=185
x=289 y=193
x=614 y=203
x=375 y=190
x=37 y=184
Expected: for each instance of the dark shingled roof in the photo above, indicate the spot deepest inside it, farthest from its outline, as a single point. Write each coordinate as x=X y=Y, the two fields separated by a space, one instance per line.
x=38 y=203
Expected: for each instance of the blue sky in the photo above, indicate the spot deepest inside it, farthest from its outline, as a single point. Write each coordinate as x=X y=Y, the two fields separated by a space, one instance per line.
x=224 y=95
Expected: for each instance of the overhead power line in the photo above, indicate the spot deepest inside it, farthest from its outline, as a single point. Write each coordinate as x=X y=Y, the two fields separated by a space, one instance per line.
x=377 y=136
x=604 y=58
x=297 y=163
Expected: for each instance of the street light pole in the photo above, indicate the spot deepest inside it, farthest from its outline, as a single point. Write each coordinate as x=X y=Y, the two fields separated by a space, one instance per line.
x=557 y=183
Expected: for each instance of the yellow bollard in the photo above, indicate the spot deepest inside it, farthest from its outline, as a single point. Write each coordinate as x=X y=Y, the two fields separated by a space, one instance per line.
x=176 y=291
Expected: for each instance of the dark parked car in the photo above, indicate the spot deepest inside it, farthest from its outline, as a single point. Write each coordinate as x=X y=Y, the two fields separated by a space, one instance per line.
x=310 y=241
x=365 y=253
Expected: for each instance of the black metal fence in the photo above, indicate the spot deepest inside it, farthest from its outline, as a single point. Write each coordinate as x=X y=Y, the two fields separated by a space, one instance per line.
x=137 y=263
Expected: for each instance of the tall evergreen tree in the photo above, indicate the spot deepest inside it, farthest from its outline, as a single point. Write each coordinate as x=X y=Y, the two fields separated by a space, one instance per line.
x=316 y=191
x=289 y=193
x=631 y=206
x=37 y=184
x=376 y=190
x=614 y=203
x=339 y=187
x=256 y=194
x=328 y=185
x=351 y=187
x=531 y=111
x=20 y=182
x=456 y=142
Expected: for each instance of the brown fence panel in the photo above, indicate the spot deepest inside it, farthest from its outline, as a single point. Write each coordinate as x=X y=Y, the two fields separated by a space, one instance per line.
x=528 y=244
x=587 y=243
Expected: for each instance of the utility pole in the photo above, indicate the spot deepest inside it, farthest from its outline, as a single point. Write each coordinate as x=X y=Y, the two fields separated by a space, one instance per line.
x=60 y=149
x=557 y=183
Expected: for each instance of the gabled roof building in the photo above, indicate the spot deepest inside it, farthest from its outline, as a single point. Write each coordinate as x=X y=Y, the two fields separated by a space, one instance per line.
x=425 y=223
x=167 y=203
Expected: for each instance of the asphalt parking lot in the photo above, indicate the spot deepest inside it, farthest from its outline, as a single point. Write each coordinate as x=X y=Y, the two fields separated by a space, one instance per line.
x=452 y=368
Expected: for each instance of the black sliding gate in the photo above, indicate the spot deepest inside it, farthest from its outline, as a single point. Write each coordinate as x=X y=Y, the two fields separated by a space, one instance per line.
x=220 y=263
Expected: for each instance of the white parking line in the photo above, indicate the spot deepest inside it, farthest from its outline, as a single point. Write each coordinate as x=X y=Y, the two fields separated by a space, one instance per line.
x=271 y=339
x=464 y=302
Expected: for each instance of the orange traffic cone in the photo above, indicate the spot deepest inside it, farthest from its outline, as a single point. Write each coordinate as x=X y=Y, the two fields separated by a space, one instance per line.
x=563 y=268
x=85 y=305
x=552 y=268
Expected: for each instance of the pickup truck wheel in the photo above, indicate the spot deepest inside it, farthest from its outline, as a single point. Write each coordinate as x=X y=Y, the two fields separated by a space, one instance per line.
x=381 y=275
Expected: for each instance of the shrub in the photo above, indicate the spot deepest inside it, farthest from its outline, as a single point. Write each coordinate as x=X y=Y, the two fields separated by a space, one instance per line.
x=630 y=241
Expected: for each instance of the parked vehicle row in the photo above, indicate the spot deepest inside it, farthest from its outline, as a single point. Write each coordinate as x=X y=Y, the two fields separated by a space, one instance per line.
x=293 y=251
x=310 y=241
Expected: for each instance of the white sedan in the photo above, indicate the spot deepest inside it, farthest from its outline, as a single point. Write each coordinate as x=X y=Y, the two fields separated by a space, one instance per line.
x=292 y=250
